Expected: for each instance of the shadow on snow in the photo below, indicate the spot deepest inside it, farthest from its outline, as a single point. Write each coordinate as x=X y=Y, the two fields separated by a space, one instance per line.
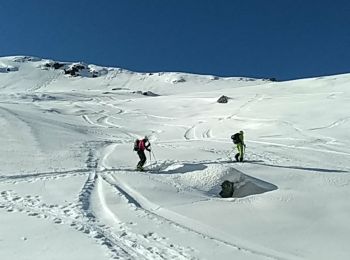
x=300 y=168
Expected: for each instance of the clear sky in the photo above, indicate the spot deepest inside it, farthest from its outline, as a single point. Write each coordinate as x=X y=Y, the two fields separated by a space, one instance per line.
x=285 y=39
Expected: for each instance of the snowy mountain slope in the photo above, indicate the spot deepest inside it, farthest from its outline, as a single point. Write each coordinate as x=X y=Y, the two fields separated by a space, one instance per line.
x=68 y=176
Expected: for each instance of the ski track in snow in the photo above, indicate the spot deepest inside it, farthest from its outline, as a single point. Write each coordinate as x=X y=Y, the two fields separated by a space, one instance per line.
x=334 y=124
x=158 y=213
x=160 y=248
x=248 y=103
x=300 y=147
x=88 y=120
x=32 y=177
x=104 y=119
x=27 y=133
x=53 y=76
x=192 y=132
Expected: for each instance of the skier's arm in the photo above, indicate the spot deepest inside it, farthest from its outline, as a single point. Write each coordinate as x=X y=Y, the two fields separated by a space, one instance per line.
x=148 y=146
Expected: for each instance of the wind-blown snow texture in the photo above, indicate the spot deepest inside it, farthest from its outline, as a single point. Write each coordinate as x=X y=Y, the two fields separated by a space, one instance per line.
x=68 y=189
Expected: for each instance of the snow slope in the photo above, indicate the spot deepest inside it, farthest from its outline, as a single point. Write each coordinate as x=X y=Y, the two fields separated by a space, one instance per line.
x=68 y=189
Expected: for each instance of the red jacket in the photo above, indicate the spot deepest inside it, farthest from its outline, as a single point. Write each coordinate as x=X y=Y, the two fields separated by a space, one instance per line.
x=143 y=144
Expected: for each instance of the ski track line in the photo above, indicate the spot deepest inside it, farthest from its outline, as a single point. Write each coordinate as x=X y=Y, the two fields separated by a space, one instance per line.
x=334 y=124
x=148 y=248
x=257 y=97
x=23 y=125
x=45 y=83
x=196 y=227
x=107 y=121
x=207 y=134
x=101 y=120
x=299 y=147
x=42 y=176
x=107 y=152
x=161 y=117
x=109 y=77
x=190 y=133
x=113 y=106
x=88 y=120
x=217 y=140
x=118 y=245
x=104 y=120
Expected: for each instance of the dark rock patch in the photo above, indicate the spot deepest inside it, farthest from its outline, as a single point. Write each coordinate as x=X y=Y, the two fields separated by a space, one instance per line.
x=178 y=80
x=227 y=189
x=146 y=93
x=8 y=69
x=26 y=58
x=223 y=99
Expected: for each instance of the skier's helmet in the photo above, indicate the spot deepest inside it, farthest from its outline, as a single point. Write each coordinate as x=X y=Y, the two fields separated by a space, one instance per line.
x=146 y=138
x=241 y=132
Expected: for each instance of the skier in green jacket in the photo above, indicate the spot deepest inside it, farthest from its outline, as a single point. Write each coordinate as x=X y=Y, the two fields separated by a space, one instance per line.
x=238 y=140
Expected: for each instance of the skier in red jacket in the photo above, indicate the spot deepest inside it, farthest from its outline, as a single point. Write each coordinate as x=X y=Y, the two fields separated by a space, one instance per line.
x=143 y=145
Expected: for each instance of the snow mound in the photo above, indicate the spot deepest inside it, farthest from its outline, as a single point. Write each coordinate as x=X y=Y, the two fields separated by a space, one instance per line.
x=208 y=179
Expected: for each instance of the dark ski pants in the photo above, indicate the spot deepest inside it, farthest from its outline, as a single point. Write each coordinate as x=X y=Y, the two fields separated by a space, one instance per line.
x=142 y=157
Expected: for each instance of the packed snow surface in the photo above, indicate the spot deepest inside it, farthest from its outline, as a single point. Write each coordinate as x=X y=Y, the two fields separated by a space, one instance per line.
x=69 y=189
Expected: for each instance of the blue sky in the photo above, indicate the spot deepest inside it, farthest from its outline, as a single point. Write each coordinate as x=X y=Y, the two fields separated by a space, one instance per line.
x=285 y=39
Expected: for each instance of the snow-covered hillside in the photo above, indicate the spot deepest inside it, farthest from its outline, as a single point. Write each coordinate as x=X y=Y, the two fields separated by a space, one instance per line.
x=68 y=188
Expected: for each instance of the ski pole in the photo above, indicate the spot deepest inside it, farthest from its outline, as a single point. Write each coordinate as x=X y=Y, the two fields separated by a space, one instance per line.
x=154 y=156
x=230 y=153
x=150 y=158
x=155 y=159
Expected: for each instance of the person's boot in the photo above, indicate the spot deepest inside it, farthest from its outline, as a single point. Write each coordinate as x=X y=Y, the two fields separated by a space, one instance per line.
x=236 y=156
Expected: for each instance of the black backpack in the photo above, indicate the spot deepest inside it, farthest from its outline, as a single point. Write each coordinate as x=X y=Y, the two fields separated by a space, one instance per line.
x=235 y=138
x=136 y=145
